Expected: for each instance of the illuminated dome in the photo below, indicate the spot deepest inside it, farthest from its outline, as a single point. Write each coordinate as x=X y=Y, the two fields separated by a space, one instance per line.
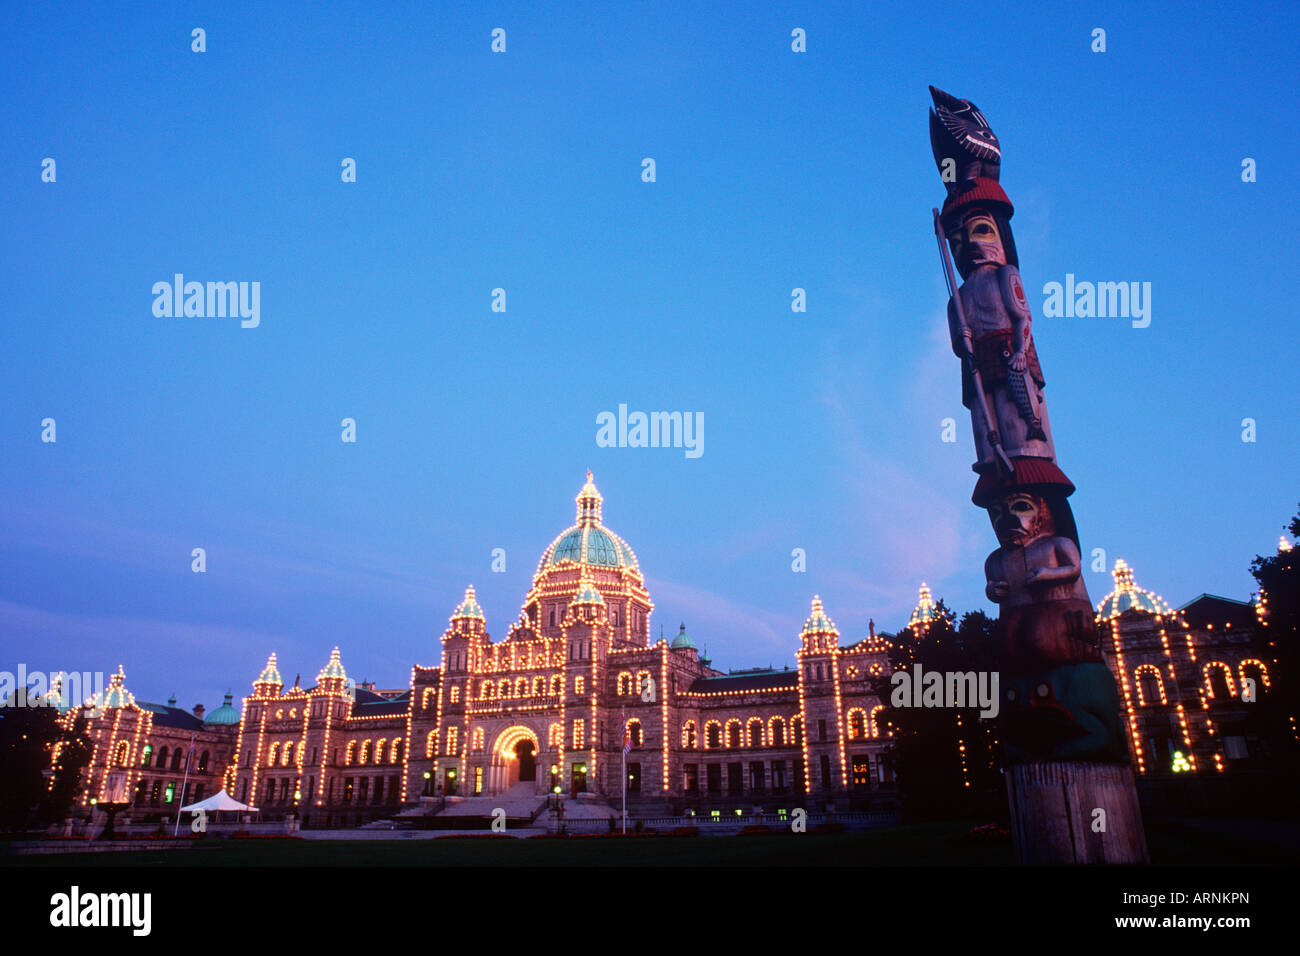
x=115 y=695
x=469 y=607
x=587 y=542
x=1127 y=596
x=818 y=622
x=924 y=612
x=225 y=715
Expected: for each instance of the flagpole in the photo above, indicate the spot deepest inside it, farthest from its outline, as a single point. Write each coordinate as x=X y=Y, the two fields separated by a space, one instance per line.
x=624 y=749
x=188 y=757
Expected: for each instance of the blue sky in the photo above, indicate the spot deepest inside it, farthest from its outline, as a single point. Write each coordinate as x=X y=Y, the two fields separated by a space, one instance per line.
x=522 y=171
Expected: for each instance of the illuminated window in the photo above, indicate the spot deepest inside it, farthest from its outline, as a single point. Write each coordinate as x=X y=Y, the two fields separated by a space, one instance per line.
x=350 y=755
x=429 y=742
x=171 y=793
x=427 y=698
x=1150 y=686
x=1218 y=680
x=395 y=755
x=122 y=754
x=270 y=754
x=634 y=732
x=624 y=683
x=754 y=732
x=146 y=754
x=365 y=751
x=776 y=732
x=455 y=695
x=579 y=733
x=688 y=735
x=521 y=687
x=203 y=762
x=580 y=685
x=287 y=754
x=861 y=772
x=874 y=724
x=733 y=733
x=712 y=735
x=379 y=749
x=539 y=686
x=453 y=740
x=478 y=780
x=691 y=778
x=477 y=740
x=642 y=681
x=857 y=724
x=554 y=735
x=557 y=685
x=485 y=690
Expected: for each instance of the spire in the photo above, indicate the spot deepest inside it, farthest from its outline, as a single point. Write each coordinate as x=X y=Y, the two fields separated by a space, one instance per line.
x=1127 y=596
x=818 y=622
x=270 y=677
x=115 y=695
x=469 y=607
x=924 y=613
x=333 y=670
x=589 y=500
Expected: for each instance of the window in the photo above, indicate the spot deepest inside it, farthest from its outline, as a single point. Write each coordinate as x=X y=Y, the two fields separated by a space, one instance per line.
x=477 y=745
x=691 y=782
x=579 y=733
x=364 y=790
x=146 y=754
x=580 y=685
x=688 y=735
x=379 y=749
x=826 y=772
x=554 y=735
x=800 y=784
x=754 y=732
x=733 y=733
x=624 y=684
x=634 y=778
x=712 y=735
x=1151 y=689
x=777 y=732
x=287 y=755
x=162 y=757
x=857 y=724
x=861 y=773
x=735 y=777
x=430 y=742
x=478 y=781
x=756 y=775
x=453 y=741
x=347 y=789
x=122 y=749
x=455 y=694
x=176 y=758
x=821 y=730
x=634 y=732
x=379 y=790
x=714 y=775
x=203 y=762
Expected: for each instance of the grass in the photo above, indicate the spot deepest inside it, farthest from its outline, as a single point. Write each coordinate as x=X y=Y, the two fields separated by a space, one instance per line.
x=927 y=844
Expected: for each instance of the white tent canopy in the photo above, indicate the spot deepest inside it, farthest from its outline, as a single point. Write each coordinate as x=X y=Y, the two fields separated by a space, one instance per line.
x=219 y=801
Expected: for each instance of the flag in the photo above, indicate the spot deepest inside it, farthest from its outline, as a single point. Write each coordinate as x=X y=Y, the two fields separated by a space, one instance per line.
x=627 y=741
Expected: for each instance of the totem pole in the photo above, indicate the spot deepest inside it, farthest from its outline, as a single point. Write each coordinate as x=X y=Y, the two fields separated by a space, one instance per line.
x=1069 y=782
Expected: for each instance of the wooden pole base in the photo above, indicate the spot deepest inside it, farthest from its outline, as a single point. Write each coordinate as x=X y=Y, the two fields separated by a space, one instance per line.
x=1054 y=816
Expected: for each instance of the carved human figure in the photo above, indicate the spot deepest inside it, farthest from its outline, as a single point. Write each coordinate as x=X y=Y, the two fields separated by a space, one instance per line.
x=1046 y=618
x=998 y=329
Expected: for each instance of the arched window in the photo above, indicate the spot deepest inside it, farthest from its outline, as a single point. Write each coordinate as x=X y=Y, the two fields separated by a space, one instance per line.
x=624 y=683
x=427 y=698
x=162 y=756
x=580 y=685
x=733 y=733
x=203 y=762
x=477 y=740
x=1256 y=671
x=776 y=731
x=485 y=690
x=557 y=685
x=521 y=687
x=395 y=752
x=539 y=686
x=455 y=694
x=875 y=724
x=1150 y=686
x=350 y=755
x=365 y=751
x=287 y=754
x=176 y=758
x=754 y=732
x=797 y=726
x=146 y=755
x=555 y=735
x=1218 y=678
x=857 y=724
x=122 y=753
x=634 y=731
x=712 y=735
x=688 y=735
x=429 y=743
x=379 y=749
x=270 y=754
x=642 y=681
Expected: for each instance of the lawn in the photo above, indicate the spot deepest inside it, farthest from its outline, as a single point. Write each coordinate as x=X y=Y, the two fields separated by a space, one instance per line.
x=929 y=844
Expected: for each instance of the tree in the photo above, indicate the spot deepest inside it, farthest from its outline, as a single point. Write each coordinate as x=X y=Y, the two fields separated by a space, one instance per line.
x=28 y=732
x=1278 y=576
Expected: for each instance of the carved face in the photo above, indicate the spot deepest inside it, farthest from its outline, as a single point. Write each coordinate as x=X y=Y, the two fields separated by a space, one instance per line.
x=977 y=242
x=1019 y=518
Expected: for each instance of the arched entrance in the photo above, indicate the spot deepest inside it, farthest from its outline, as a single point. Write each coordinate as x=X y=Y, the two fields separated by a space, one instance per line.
x=526 y=752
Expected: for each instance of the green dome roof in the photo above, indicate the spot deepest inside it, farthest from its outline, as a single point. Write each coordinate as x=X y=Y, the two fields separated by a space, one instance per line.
x=115 y=695
x=925 y=611
x=682 y=641
x=469 y=607
x=587 y=594
x=587 y=543
x=333 y=670
x=1127 y=596
x=223 y=716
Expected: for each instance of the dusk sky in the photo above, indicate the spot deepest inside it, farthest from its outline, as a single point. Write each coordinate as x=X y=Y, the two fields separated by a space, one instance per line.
x=775 y=170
